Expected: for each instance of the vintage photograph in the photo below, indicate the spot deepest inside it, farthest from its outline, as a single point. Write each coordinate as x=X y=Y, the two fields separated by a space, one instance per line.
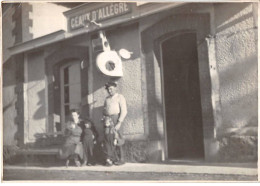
x=130 y=91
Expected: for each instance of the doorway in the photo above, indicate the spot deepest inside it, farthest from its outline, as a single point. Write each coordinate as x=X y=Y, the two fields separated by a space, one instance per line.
x=182 y=100
x=70 y=83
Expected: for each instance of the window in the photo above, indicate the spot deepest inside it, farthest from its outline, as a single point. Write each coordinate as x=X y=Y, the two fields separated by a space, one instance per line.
x=70 y=84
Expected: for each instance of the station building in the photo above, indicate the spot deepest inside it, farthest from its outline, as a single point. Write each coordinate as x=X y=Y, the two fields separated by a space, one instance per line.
x=188 y=72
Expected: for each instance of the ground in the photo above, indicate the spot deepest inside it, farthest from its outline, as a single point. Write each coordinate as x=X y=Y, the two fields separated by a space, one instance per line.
x=14 y=174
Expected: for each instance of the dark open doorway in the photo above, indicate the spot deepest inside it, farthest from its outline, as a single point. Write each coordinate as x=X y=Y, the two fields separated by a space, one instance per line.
x=182 y=100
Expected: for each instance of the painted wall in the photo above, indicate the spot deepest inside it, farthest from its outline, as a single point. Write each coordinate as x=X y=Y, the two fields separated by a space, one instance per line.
x=36 y=97
x=40 y=19
x=236 y=55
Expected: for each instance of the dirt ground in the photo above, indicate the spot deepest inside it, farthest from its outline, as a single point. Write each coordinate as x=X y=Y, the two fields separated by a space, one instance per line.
x=15 y=175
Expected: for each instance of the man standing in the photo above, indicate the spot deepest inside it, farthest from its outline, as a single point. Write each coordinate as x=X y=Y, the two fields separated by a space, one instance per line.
x=115 y=111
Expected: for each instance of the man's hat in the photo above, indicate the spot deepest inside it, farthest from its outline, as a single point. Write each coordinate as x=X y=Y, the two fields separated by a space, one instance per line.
x=111 y=83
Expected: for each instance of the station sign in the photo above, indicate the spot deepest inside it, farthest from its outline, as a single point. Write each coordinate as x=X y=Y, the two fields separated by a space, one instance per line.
x=98 y=15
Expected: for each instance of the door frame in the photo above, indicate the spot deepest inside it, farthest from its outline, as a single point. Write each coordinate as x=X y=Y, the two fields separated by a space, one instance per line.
x=175 y=23
x=159 y=42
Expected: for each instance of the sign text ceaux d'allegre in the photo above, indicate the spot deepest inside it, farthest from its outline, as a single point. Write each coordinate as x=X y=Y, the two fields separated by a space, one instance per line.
x=102 y=13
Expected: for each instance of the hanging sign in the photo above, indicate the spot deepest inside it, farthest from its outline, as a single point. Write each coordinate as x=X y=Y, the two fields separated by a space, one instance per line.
x=97 y=15
x=108 y=62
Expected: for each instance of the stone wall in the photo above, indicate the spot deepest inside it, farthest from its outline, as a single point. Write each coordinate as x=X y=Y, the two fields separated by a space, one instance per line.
x=12 y=77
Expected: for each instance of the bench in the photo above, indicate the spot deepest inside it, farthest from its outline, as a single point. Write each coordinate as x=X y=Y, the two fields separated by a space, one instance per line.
x=36 y=151
x=45 y=144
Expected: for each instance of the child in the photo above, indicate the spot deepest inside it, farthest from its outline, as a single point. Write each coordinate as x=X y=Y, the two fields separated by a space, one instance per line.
x=119 y=139
x=109 y=125
x=88 y=140
x=112 y=139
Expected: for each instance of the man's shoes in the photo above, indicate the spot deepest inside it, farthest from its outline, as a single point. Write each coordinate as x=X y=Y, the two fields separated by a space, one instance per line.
x=77 y=163
x=119 y=163
x=84 y=164
x=109 y=163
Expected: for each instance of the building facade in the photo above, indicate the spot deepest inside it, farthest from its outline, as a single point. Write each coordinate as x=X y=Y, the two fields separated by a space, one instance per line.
x=188 y=72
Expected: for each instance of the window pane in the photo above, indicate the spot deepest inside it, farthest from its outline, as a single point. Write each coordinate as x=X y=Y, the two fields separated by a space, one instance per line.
x=67 y=110
x=75 y=93
x=66 y=75
x=66 y=94
x=74 y=73
x=57 y=123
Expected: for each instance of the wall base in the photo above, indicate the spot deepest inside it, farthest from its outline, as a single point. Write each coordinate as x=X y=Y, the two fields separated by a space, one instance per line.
x=143 y=151
x=238 y=149
x=231 y=149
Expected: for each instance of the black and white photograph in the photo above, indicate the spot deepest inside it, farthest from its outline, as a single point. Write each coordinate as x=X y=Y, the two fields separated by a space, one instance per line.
x=156 y=91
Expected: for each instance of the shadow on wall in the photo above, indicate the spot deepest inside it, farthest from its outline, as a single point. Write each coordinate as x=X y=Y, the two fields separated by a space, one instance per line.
x=9 y=102
x=13 y=102
x=237 y=67
x=225 y=14
x=40 y=112
x=239 y=93
x=17 y=18
x=125 y=37
x=98 y=123
x=152 y=102
x=9 y=78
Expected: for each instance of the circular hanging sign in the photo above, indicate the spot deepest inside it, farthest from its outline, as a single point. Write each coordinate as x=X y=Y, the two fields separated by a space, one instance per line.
x=109 y=63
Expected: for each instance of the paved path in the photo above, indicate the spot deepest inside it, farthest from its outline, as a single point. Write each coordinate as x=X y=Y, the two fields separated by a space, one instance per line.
x=85 y=175
x=137 y=167
x=134 y=171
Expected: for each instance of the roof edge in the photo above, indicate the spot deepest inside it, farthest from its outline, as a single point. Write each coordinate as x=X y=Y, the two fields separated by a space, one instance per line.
x=37 y=42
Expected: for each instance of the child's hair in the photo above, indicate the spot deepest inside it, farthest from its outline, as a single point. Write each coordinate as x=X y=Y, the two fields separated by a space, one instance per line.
x=75 y=110
x=87 y=121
